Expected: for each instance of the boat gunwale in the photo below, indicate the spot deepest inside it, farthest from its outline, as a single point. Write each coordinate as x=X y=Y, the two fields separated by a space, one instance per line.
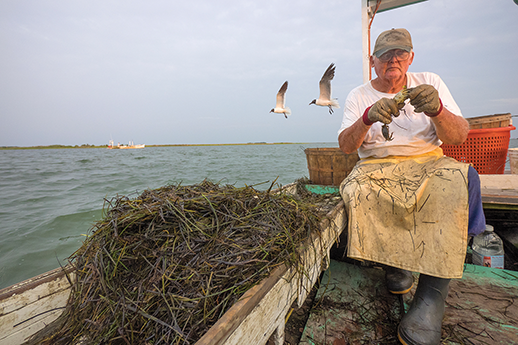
x=33 y=282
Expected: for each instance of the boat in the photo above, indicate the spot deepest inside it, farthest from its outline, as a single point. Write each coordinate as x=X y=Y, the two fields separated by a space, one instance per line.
x=260 y=316
x=120 y=146
x=261 y=313
x=132 y=146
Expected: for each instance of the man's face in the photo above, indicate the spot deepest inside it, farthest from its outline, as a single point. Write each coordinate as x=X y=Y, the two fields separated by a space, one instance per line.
x=393 y=64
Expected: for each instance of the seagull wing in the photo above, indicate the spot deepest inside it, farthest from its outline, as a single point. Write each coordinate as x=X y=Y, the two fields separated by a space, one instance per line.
x=280 y=95
x=325 y=83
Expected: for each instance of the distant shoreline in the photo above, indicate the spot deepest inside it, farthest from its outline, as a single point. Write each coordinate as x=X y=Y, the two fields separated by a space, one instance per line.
x=106 y=146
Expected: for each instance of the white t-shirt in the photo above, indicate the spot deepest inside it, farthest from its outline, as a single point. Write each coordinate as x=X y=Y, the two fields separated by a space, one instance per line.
x=413 y=133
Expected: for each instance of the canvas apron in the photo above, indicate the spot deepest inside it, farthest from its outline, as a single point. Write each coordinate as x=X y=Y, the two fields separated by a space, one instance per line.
x=409 y=212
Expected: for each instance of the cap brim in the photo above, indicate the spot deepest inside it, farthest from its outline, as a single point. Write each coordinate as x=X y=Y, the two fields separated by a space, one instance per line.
x=384 y=50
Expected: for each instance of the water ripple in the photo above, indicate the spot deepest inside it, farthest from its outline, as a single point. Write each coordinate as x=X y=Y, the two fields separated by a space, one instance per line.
x=51 y=197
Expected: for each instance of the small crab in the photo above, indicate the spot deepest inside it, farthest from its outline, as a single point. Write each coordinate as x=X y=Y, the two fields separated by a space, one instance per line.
x=402 y=96
x=400 y=99
x=386 y=134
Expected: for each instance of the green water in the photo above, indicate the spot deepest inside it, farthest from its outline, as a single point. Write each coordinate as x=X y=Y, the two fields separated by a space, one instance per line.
x=50 y=198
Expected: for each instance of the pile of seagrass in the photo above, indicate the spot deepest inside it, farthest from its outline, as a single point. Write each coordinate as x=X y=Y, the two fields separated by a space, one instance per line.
x=163 y=267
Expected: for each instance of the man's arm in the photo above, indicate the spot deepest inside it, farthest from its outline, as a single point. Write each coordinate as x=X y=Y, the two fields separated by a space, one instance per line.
x=450 y=128
x=351 y=138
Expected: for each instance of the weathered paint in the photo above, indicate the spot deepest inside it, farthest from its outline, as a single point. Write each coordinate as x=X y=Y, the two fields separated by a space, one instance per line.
x=27 y=307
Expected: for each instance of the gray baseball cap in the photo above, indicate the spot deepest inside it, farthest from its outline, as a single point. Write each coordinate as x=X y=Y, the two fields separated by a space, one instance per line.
x=392 y=39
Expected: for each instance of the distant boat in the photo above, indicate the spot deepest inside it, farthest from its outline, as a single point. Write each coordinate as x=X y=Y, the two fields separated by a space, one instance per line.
x=131 y=145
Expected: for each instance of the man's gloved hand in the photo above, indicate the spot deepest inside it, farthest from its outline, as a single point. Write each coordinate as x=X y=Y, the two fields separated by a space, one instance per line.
x=425 y=99
x=382 y=111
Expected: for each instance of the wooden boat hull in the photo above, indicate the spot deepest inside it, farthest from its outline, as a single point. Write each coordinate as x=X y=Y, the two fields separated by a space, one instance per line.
x=27 y=307
x=259 y=315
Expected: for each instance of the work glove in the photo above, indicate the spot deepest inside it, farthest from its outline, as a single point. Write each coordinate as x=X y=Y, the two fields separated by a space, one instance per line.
x=425 y=99
x=382 y=111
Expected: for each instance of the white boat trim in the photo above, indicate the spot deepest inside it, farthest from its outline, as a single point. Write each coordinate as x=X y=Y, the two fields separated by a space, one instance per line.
x=27 y=307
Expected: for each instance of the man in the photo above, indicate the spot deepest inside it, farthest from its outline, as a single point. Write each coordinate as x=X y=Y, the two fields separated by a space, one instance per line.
x=410 y=208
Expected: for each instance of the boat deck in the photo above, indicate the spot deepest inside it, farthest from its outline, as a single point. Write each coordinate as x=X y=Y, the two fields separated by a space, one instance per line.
x=353 y=306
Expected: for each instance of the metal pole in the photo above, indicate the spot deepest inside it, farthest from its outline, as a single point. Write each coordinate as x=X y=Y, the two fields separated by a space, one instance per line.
x=366 y=16
x=368 y=12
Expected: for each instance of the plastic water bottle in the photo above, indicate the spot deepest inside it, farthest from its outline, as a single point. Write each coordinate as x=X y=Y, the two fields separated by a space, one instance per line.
x=488 y=249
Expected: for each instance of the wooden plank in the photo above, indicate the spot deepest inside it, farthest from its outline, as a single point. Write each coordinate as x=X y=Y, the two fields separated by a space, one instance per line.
x=19 y=337
x=15 y=327
x=27 y=307
x=489 y=121
x=332 y=226
x=502 y=202
x=44 y=285
x=499 y=184
x=35 y=281
x=352 y=303
x=267 y=316
x=232 y=319
x=499 y=191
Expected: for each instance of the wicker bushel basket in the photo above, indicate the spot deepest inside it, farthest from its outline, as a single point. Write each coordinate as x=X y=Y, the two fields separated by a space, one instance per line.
x=489 y=121
x=329 y=165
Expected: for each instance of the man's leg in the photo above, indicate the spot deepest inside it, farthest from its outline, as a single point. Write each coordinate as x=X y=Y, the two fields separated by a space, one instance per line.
x=422 y=324
x=477 y=219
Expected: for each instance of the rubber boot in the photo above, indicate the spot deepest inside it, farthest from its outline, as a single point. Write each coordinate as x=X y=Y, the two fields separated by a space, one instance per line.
x=422 y=324
x=399 y=281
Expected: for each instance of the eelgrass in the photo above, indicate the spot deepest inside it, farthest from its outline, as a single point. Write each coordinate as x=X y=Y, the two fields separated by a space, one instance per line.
x=163 y=267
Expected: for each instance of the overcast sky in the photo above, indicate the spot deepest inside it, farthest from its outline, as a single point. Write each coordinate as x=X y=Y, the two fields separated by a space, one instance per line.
x=206 y=71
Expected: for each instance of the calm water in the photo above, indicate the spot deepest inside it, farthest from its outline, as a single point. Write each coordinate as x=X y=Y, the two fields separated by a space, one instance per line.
x=50 y=198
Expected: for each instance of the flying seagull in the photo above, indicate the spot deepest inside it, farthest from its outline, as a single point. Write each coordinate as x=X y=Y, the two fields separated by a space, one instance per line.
x=324 y=99
x=279 y=106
